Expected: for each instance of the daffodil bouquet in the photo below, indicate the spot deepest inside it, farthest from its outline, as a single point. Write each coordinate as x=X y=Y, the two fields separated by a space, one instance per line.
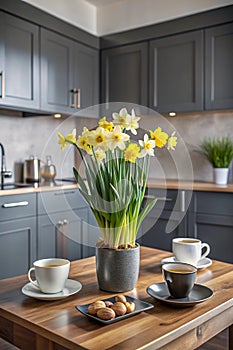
x=116 y=174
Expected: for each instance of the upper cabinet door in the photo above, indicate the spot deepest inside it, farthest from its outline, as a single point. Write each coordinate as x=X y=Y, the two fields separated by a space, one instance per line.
x=69 y=74
x=19 y=63
x=219 y=67
x=86 y=76
x=176 y=73
x=56 y=73
x=124 y=74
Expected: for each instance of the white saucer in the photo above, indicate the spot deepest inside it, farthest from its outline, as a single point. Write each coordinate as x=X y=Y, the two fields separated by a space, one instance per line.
x=201 y=264
x=71 y=287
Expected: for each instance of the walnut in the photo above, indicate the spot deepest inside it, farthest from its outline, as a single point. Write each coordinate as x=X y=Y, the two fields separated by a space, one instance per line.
x=106 y=313
x=119 y=308
x=94 y=307
x=120 y=298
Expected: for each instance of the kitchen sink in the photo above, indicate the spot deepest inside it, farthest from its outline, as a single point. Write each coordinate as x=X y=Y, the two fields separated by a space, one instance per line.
x=13 y=186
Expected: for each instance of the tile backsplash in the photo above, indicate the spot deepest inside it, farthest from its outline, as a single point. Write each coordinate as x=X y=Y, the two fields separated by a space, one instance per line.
x=37 y=136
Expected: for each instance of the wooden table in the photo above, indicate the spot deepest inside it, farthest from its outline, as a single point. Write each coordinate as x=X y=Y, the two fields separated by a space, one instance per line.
x=57 y=325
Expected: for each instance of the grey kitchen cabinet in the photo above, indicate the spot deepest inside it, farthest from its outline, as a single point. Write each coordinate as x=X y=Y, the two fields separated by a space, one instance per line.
x=69 y=74
x=219 y=67
x=62 y=221
x=60 y=235
x=211 y=220
x=176 y=72
x=17 y=234
x=166 y=220
x=124 y=74
x=19 y=63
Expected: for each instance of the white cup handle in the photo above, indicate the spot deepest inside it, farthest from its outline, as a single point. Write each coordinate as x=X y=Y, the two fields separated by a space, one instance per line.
x=205 y=245
x=29 y=277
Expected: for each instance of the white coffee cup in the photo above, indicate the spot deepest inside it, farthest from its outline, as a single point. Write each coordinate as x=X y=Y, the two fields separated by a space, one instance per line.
x=189 y=250
x=51 y=274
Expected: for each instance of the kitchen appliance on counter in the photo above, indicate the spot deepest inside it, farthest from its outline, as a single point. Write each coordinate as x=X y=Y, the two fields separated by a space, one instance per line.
x=48 y=171
x=31 y=171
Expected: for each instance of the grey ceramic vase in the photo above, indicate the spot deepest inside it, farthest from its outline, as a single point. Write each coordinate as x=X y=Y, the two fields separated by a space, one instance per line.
x=117 y=270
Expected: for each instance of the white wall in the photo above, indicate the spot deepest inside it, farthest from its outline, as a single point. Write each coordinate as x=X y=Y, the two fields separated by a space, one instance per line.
x=123 y=14
x=38 y=136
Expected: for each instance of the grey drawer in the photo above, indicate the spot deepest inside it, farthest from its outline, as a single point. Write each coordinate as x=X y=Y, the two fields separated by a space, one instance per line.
x=214 y=203
x=17 y=206
x=177 y=200
x=60 y=200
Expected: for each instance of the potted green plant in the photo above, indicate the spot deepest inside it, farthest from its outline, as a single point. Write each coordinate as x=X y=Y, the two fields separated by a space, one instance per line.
x=219 y=152
x=116 y=172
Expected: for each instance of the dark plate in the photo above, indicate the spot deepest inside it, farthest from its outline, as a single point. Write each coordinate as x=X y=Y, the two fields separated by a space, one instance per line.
x=139 y=307
x=198 y=294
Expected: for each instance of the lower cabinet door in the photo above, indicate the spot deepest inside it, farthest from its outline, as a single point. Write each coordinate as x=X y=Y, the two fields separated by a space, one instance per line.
x=17 y=246
x=90 y=234
x=154 y=230
x=217 y=231
x=46 y=242
x=60 y=235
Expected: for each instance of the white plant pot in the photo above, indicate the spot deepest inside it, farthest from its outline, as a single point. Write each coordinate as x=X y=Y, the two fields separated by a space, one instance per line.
x=221 y=176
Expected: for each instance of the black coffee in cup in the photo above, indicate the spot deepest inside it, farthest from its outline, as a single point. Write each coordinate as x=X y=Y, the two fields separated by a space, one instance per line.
x=180 y=278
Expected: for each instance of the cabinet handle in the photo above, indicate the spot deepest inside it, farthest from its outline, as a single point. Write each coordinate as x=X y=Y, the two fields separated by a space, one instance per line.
x=182 y=201
x=17 y=204
x=60 y=223
x=79 y=98
x=165 y=199
x=65 y=222
x=2 y=84
x=74 y=97
x=61 y=193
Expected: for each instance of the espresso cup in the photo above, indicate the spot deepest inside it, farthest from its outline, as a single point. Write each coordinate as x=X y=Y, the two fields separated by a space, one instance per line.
x=51 y=274
x=180 y=278
x=189 y=250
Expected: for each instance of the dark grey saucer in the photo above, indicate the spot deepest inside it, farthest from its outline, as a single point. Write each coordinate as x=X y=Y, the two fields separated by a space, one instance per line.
x=198 y=294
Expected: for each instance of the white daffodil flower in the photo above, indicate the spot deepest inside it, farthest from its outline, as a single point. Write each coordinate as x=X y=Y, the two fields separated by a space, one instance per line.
x=147 y=146
x=121 y=118
x=99 y=155
x=132 y=122
x=117 y=138
x=97 y=138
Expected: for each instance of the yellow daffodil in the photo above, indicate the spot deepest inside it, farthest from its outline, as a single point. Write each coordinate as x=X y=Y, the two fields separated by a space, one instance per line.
x=172 y=142
x=117 y=138
x=132 y=122
x=159 y=136
x=147 y=146
x=83 y=144
x=99 y=155
x=132 y=153
x=121 y=118
x=65 y=140
x=107 y=126
x=97 y=138
x=121 y=165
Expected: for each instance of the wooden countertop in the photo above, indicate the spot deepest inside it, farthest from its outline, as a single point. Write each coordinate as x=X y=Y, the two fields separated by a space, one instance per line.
x=31 y=323
x=169 y=184
x=190 y=185
x=23 y=190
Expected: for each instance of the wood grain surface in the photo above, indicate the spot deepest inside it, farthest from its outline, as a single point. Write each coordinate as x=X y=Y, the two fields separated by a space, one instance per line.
x=57 y=325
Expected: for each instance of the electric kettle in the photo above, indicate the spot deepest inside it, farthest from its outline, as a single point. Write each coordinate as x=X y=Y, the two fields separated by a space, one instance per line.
x=31 y=170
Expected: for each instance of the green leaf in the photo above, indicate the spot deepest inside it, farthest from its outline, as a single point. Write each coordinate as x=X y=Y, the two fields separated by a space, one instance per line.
x=149 y=205
x=80 y=180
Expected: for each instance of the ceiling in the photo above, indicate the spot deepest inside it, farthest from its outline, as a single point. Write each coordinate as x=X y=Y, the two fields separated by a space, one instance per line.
x=102 y=17
x=99 y=3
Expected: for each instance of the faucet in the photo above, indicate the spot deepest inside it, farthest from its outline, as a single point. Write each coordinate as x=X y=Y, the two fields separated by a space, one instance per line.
x=4 y=173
